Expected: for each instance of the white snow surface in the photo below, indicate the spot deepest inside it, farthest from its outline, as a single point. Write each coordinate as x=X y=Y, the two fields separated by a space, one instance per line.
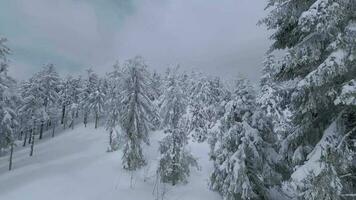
x=75 y=166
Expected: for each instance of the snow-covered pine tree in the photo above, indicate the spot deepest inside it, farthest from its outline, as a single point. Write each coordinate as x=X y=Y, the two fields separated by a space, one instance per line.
x=199 y=121
x=173 y=102
x=95 y=103
x=136 y=112
x=32 y=107
x=70 y=98
x=175 y=162
x=49 y=83
x=206 y=95
x=319 y=37
x=271 y=97
x=327 y=184
x=156 y=84
x=8 y=114
x=113 y=106
x=90 y=86
x=241 y=155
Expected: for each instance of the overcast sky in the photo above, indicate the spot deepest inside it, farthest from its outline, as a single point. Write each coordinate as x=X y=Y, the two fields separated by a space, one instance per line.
x=219 y=37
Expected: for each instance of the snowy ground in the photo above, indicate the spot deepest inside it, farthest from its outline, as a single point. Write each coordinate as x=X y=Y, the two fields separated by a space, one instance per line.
x=75 y=166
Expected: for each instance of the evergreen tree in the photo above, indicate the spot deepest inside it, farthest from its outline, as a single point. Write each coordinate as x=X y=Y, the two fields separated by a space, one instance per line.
x=173 y=102
x=319 y=38
x=206 y=96
x=8 y=114
x=70 y=96
x=90 y=86
x=96 y=103
x=113 y=106
x=175 y=162
x=32 y=107
x=241 y=153
x=272 y=99
x=49 y=83
x=136 y=112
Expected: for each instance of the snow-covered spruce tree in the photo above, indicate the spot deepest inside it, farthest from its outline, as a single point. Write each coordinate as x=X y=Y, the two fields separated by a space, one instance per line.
x=173 y=102
x=136 y=112
x=156 y=84
x=327 y=184
x=241 y=154
x=320 y=39
x=113 y=106
x=271 y=97
x=175 y=162
x=49 y=81
x=70 y=95
x=95 y=103
x=8 y=115
x=206 y=95
x=90 y=86
x=33 y=108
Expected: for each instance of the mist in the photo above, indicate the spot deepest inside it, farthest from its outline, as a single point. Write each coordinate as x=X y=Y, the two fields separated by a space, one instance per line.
x=216 y=37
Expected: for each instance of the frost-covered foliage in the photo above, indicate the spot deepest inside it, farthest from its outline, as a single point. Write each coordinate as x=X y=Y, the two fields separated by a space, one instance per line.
x=348 y=94
x=325 y=185
x=206 y=95
x=113 y=101
x=8 y=115
x=157 y=85
x=173 y=102
x=48 y=83
x=91 y=85
x=69 y=100
x=95 y=103
x=316 y=75
x=40 y=98
x=137 y=111
x=242 y=157
x=175 y=159
x=271 y=97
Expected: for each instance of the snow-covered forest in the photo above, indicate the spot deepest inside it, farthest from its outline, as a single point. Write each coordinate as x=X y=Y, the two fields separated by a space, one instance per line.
x=181 y=134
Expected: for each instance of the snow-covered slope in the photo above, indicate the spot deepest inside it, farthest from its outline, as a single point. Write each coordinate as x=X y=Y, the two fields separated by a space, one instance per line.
x=75 y=166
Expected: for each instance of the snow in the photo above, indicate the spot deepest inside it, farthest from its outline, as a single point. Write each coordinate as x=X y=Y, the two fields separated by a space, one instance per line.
x=331 y=67
x=348 y=94
x=75 y=166
x=312 y=164
x=352 y=26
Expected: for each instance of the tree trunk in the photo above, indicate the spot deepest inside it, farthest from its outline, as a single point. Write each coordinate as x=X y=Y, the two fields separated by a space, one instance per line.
x=85 y=119
x=41 y=130
x=11 y=153
x=30 y=138
x=72 y=125
x=96 y=120
x=54 y=127
x=25 y=139
x=63 y=114
x=32 y=144
x=110 y=139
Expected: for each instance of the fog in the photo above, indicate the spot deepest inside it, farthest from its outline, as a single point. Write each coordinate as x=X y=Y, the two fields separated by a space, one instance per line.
x=216 y=37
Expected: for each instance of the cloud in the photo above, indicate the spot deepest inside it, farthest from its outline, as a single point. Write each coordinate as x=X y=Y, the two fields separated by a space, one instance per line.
x=70 y=27
x=217 y=37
